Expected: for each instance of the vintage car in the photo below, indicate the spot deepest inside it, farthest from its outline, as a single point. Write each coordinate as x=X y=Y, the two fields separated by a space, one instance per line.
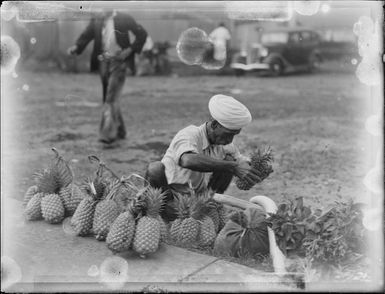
x=280 y=51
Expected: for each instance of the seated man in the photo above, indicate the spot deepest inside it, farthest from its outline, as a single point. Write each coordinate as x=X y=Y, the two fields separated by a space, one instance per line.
x=204 y=157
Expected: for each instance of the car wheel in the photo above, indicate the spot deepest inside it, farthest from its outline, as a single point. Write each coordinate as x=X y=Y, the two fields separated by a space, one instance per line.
x=239 y=72
x=276 y=67
x=314 y=63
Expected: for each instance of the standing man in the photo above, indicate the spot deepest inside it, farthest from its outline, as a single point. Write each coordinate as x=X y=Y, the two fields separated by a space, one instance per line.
x=112 y=54
x=221 y=38
x=204 y=157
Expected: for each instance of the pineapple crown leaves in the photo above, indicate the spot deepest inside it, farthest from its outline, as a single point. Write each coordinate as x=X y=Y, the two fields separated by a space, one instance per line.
x=101 y=185
x=57 y=175
x=182 y=205
x=200 y=208
x=154 y=200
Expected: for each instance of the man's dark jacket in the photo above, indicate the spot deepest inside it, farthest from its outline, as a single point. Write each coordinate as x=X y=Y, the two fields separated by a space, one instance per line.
x=122 y=23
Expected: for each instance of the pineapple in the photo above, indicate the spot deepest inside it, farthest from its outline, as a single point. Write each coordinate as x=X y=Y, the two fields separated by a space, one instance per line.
x=213 y=214
x=106 y=211
x=222 y=216
x=164 y=231
x=182 y=204
x=189 y=228
x=147 y=233
x=83 y=216
x=33 y=208
x=31 y=191
x=52 y=179
x=52 y=208
x=82 y=219
x=121 y=233
x=207 y=233
x=71 y=196
x=122 y=230
x=261 y=162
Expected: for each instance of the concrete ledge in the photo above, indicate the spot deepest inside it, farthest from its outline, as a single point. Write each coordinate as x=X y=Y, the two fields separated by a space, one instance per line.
x=51 y=260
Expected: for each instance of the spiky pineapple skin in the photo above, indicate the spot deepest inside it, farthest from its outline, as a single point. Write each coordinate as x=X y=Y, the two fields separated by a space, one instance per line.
x=31 y=191
x=106 y=211
x=71 y=197
x=147 y=235
x=33 y=209
x=260 y=161
x=175 y=229
x=188 y=231
x=207 y=233
x=121 y=233
x=82 y=219
x=213 y=214
x=52 y=208
x=222 y=217
x=164 y=231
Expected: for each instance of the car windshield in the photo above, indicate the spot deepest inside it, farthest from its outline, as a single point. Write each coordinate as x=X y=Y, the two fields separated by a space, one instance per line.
x=274 y=38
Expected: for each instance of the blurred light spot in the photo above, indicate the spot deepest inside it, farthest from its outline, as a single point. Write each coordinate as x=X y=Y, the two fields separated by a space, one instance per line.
x=10 y=54
x=10 y=272
x=236 y=91
x=33 y=40
x=25 y=87
x=369 y=71
x=363 y=26
x=8 y=12
x=373 y=181
x=374 y=125
x=306 y=7
x=372 y=219
x=67 y=227
x=192 y=45
x=354 y=61
x=369 y=45
x=114 y=272
x=325 y=8
x=93 y=271
x=15 y=75
x=259 y=10
x=75 y=160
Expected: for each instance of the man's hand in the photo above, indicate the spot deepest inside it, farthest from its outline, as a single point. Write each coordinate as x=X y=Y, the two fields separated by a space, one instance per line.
x=245 y=172
x=72 y=50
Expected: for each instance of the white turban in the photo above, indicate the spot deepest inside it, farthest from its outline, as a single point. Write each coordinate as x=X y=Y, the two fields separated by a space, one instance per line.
x=229 y=112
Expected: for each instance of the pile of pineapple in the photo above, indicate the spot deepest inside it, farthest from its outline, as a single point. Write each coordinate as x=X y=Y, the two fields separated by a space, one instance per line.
x=261 y=161
x=200 y=218
x=55 y=195
x=112 y=209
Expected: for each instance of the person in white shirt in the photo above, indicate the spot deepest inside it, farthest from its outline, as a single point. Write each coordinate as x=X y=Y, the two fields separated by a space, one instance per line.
x=204 y=157
x=221 y=39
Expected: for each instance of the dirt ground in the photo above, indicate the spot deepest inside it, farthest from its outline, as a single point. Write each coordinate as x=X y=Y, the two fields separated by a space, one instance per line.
x=314 y=123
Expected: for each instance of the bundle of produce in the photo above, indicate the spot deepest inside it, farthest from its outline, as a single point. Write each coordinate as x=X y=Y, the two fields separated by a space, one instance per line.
x=95 y=190
x=149 y=225
x=244 y=235
x=193 y=225
x=261 y=162
x=42 y=200
x=122 y=230
x=71 y=196
x=117 y=197
x=329 y=236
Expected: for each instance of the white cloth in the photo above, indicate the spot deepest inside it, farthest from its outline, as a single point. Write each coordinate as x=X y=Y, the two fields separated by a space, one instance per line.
x=219 y=37
x=108 y=37
x=148 y=45
x=229 y=112
x=192 y=139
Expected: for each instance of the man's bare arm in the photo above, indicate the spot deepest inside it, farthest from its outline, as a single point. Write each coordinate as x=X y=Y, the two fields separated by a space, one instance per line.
x=203 y=163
